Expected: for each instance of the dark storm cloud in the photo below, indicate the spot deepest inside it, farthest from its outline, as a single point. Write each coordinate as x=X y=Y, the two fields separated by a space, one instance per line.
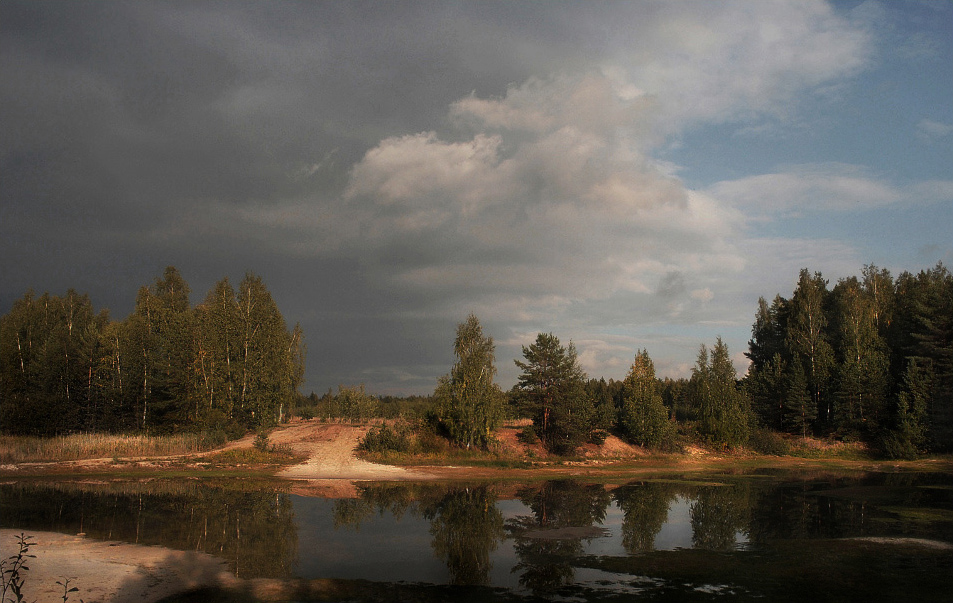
x=130 y=131
x=387 y=167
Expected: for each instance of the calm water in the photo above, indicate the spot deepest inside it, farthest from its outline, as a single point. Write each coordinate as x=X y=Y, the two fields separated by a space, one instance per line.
x=768 y=536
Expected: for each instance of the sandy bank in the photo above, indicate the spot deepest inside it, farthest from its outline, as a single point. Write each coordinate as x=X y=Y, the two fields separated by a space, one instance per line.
x=110 y=572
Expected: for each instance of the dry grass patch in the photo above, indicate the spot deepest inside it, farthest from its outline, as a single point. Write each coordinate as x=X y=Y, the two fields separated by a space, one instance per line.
x=24 y=449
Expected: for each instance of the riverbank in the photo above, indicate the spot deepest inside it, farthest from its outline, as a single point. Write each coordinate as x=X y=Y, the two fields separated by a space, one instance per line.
x=305 y=451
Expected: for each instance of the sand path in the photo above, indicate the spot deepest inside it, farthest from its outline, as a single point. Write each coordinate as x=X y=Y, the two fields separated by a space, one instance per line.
x=331 y=454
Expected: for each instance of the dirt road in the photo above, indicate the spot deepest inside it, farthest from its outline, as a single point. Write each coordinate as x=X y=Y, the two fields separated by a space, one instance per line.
x=331 y=453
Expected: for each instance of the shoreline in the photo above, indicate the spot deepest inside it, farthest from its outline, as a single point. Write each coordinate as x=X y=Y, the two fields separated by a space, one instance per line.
x=117 y=572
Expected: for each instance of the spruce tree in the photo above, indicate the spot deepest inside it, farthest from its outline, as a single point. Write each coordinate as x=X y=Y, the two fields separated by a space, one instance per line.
x=644 y=418
x=723 y=408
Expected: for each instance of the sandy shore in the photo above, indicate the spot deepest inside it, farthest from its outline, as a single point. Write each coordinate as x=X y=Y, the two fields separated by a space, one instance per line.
x=111 y=572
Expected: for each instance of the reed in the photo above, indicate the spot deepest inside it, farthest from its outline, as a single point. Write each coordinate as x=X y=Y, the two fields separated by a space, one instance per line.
x=25 y=449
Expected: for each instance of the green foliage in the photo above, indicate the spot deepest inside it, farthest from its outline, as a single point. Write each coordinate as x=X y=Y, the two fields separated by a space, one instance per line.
x=229 y=363
x=552 y=390
x=870 y=360
x=768 y=441
x=644 y=418
x=808 y=338
x=356 y=404
x=384 y=438
x=723 y=409
x=798 y=405
x=862 y=370
x=261 y=441
x=908 y=436
x=527 y=435
x=468 y=404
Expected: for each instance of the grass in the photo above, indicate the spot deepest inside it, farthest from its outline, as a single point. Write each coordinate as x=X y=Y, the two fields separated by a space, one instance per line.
x=24 y=449
x=273 y=455
x=846 y=451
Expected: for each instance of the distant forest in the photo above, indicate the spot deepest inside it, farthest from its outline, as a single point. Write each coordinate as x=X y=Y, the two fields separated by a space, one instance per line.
x=229 y=363
x=869 y=359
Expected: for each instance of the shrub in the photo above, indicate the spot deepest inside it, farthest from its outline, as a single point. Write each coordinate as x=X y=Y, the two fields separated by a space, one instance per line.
x=429 y=442
x=261 y=441
x=767 y=441
x=528 y=436
x=214 y=438
x=384 y=438
x=598 y=436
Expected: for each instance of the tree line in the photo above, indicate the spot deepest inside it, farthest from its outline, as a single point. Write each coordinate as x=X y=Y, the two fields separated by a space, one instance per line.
x=568 y=409
x=869 y=360
x=230 y=363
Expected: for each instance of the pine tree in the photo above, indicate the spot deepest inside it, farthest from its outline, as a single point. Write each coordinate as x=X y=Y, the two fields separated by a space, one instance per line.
x=908 y=436
x=552 y=391
x=800 y=412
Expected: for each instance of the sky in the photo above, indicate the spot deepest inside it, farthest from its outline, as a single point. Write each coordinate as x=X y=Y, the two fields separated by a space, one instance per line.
x=625 y=175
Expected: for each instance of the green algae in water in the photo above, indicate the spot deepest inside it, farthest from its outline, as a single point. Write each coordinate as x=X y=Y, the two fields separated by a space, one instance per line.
x=920 y=515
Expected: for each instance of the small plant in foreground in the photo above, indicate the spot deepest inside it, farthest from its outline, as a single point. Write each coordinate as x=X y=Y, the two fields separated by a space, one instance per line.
x=13 y=578
x=67 y=590
x=261 y=441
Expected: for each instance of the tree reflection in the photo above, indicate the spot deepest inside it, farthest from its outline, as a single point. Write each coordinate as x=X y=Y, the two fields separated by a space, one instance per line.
x=466 y=527
x=378 y=498
x=548 y=541
x=465 y=524
x=718 y=513
x=254 y=530
x=645 y=511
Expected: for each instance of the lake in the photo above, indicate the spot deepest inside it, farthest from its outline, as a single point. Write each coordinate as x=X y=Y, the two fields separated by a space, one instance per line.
x=766 y=535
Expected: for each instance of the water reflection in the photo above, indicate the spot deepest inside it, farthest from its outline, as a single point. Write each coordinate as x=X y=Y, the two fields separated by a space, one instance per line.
x=253 y=529
x=720 y=516
x=645 y=510
x=744 y=533
x=466 y=527
x=549 y=538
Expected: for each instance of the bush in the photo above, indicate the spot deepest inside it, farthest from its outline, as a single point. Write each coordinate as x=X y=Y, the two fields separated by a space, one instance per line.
x=598 y=437
x=261 y=441
x=528 y=436
x=214 y=438
x=429 y=442
x=384 y=438
x=892 y=446
x=767 y=441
